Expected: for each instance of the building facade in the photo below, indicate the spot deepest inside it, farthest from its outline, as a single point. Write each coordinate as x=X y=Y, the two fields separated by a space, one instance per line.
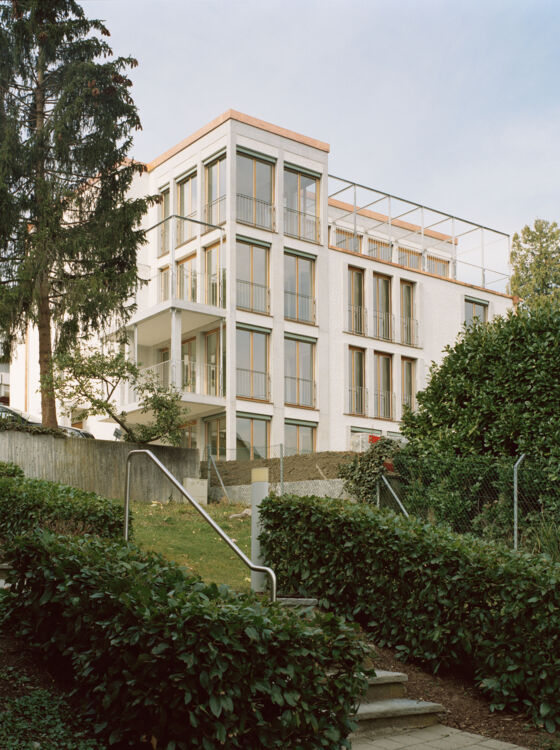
x=288 y=306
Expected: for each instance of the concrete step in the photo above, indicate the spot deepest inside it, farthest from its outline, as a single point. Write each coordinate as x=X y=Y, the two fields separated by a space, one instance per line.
x=385 y=685
x=400 y=713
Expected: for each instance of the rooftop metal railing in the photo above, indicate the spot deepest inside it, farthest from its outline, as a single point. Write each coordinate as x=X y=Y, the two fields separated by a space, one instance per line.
x=209 y=520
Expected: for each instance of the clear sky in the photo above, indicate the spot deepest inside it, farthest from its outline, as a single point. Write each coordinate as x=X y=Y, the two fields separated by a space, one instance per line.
x=451 y=103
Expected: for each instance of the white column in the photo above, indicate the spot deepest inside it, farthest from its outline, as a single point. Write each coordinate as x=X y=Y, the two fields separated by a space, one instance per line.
x=175 y=349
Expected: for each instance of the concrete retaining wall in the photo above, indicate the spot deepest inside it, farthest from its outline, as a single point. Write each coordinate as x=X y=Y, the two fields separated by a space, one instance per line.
x=99 y=465
x=241 y=493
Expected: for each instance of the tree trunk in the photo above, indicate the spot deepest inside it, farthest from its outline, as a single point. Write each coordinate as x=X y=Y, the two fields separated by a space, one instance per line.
x=48 y=401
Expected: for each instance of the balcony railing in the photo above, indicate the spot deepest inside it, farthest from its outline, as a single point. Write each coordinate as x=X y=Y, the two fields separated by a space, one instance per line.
x=409 y=332
x=253 y=384
x=187 y=284
x=191 y=286
x=357 y=320
x=383 y=325
x=357 y=401
x=187 y=230
x=384 y=404
x=302 y=225
x=215 y=212
x=194 y=377
x=253 y=297
x=299 y=307
x=409 y=399
x=255 y=212
x=299 y=391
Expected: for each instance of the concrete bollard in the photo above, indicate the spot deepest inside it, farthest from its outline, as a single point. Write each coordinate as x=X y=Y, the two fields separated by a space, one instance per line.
x=259 y=490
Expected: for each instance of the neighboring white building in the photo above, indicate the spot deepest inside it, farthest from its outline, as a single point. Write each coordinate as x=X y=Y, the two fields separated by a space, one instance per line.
x=290 y=307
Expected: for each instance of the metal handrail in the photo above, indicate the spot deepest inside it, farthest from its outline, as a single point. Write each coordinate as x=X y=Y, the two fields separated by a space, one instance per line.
x=242 y=556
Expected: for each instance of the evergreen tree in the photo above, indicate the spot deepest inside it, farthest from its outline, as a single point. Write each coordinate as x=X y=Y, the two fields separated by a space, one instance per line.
x=68 y=233
x=535 y=260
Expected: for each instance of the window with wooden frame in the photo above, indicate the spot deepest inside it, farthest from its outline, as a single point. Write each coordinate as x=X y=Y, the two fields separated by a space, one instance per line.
x=214 y=381
x=215 y=433
x=187 y=197
x=299 y=438
x=379 y=249
x=382 y=316
x=187 y=279
x=383 y=397
x=255 y=191
x=356 y=309
x=357 y=393
x=191 y=434
x=252 y=365
x=299 y=372
x=410 y=258
x=299 y=288
x=437 y=266
x=188 y=364
x=164 y=278
x=214 y=286
x=408 y=381
x=251 y=438
x=215 y=192
x=162 y=367
x=475 y=309
x=253 y=289
x=164 y=227
x=301 y=205
x=345 y=239
x=409 y=326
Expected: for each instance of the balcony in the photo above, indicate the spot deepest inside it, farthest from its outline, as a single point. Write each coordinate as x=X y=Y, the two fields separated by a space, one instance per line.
x=383 y=325
x=194 y=378
x=299 y=307
x=384 y=405
x=199 y=288
x=253 y=384
x=255 y=212
x=215 y=212
x=357 y=401
x=187 y=230
x=302 y=225
x=299 y=392
x=357 y=320
x=409 y=332
x=253 y=297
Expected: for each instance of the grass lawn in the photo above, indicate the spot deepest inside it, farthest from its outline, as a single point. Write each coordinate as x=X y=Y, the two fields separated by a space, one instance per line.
x=178 y=532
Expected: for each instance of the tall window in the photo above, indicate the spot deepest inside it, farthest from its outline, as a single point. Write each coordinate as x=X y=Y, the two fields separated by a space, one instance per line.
x=410 y=258
x=252 y=364
x=188 y=364
x=378 y=249
x=191 y=429
x=346 y=239
x=299 y=375
x=299 y=284
x=438 y=266
x=475 y=309
x=383 y=402
x=357 y=394
x=216 y=436
x=251 y=438
x=356 y=310
x=163 y=284
x=187 y=279
x=408 y=382
x=213 y=377
x=187 y=200
x=253 y=291
x=165 y=229
x=162 y=367
x=215 y=195
x=214 y=292
x=382 y=318
x=301 y=205
x=255 y=190
x=299 y=438
x=409 y=326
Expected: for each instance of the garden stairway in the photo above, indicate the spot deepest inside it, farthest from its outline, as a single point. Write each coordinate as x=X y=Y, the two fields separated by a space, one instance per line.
x=384 y=704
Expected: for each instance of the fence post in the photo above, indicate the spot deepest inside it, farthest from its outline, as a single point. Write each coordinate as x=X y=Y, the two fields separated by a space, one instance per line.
x=377 y=493
x=259 y=490
x=515 y=500
x=281 y=469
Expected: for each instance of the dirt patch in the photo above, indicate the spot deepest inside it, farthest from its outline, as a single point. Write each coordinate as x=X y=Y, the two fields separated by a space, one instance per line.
x=466 y=708
x=296 y=468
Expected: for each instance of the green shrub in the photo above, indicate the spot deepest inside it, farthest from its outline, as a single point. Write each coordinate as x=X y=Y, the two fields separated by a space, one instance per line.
x=155 y=652
x=363 y=471
x=29 y=503
x=445 y=599
x=8 y=469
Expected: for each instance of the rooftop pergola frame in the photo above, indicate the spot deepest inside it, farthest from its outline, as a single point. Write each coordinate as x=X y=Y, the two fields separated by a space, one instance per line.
x=468 y=252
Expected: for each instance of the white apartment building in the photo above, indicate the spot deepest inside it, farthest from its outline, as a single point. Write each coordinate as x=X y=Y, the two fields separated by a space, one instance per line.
x=290 y=307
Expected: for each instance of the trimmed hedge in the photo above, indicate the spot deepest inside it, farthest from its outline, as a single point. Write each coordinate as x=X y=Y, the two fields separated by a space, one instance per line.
x=29 y=503
x=157 y=653
x=444 y=599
